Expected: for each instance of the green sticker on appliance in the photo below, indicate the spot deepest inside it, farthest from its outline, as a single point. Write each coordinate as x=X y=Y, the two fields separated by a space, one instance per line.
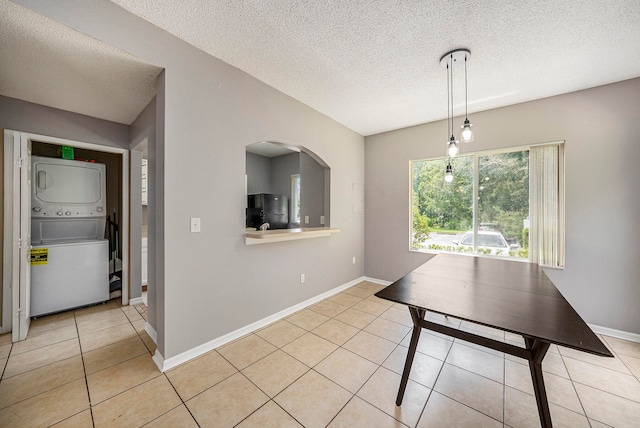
x=67 y=152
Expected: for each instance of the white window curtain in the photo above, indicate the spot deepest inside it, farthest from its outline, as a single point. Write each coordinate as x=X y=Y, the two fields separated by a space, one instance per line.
x=295 y=199
x=546 y=190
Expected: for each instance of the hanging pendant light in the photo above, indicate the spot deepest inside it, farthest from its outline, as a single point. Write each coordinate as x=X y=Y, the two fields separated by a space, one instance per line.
x=448 y=174
x=466 y=136
x=452 y=148
x=452 y=144
x=448 y=60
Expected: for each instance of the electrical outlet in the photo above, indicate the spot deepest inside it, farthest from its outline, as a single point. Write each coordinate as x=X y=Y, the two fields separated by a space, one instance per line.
x=195 y=224
x=306 y=219
x=302 y=278
x=322 y=220
x=354 y=260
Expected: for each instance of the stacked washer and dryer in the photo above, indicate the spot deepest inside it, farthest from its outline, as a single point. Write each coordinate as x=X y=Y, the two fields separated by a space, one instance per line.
x=68 y=218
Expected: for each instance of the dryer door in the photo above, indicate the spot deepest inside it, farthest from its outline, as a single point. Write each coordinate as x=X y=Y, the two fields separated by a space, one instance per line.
x=66 y=184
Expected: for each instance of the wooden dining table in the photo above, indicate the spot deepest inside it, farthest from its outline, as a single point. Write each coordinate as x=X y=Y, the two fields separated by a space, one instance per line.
x=507 y=295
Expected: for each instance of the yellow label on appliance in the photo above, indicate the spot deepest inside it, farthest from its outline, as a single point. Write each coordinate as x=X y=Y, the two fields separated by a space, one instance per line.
x=39 y=256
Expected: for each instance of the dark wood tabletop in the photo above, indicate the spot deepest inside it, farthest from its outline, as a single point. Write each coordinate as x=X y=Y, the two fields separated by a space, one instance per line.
x=507 y=295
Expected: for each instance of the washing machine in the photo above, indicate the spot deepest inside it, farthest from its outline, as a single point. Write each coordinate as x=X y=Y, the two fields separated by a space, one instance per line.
x=69 y=256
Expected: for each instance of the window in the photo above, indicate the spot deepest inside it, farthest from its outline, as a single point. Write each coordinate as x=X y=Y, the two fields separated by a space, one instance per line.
x=295 y=199
x=506 y=204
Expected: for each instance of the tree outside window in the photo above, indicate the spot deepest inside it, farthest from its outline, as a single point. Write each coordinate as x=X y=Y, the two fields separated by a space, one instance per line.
x=445 y=218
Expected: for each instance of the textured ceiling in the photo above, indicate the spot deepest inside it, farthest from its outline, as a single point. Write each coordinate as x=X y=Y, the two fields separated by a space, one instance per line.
x=47 y=63
x=372 y=65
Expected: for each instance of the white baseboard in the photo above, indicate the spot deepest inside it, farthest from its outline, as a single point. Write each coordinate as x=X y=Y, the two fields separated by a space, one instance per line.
x=169 y=363
x=151 y=332
x=136 y=301
x=625 y=335
x=377 y=281
x=158 y=359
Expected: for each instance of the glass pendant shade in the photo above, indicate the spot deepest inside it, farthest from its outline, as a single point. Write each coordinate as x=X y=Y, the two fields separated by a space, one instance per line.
x=466 y=136
x=452 y=147
x=448 y=175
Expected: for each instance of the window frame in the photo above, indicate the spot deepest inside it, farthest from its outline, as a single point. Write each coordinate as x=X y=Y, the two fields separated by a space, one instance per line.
x=475 y=194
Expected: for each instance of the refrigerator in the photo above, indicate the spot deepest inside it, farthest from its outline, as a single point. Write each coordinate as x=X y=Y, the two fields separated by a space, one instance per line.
x=268 y=208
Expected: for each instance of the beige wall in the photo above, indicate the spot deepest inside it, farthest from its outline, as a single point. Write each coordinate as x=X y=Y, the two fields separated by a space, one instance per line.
x=601 y=128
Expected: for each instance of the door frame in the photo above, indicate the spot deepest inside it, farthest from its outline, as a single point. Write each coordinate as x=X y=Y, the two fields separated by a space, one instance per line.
x=9 y=205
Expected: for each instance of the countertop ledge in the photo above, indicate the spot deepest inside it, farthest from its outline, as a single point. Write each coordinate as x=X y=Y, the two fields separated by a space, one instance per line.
x=279 y=235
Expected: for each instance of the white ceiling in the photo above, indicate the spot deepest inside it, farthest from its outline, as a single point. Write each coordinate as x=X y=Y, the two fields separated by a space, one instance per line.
x=47 y=63
x=373 y=65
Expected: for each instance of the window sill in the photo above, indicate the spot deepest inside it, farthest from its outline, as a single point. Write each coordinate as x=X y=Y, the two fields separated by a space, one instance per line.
x=280 y=235
x=465 y=254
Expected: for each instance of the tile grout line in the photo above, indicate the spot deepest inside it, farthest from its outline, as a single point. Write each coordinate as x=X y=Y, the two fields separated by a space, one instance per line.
x=397 y=344
x=379 y=366
x=6 y=363
x=120 y=307
x=311 y=368
x=84 y=369
x=504 y=389
x=271 y=399
x=361 y=356
x=617 y=355
x=574 y=382
x=183 y=403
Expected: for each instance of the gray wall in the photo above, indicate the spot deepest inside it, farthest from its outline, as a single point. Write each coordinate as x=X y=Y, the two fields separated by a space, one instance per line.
x=211 y=112
x=23 y=116
x=311 y=191
x=143 y=128
x=601 y=129
x=258 y=174
x=135 y=230
x=282 y=168
x=271 y=175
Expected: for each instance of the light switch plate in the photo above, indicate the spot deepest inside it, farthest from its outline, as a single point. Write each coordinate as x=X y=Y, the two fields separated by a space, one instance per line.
x=195 y=224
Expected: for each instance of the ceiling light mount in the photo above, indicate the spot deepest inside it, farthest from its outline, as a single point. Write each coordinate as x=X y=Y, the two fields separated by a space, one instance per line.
x=456 y=56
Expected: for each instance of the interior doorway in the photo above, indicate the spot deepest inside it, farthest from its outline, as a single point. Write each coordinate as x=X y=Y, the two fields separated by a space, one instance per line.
x=17 y=198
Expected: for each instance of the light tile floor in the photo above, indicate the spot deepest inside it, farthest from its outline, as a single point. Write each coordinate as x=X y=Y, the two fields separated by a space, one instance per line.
x=336 y=364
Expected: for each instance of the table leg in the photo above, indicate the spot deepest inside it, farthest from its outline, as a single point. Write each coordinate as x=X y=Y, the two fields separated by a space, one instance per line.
x=538 y=351
x=416 y=315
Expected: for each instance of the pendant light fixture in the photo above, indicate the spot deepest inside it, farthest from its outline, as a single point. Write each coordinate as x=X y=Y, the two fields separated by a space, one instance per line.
x=447 y=61
x=448 y=174
x=466 y=136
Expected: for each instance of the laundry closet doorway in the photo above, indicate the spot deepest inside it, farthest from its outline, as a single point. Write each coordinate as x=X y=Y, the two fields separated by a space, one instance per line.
x=24 y=145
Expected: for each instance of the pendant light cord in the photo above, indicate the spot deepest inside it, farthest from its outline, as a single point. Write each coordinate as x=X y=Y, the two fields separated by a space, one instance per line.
x=466 y=103
x=448 y=102
x=451 y=94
